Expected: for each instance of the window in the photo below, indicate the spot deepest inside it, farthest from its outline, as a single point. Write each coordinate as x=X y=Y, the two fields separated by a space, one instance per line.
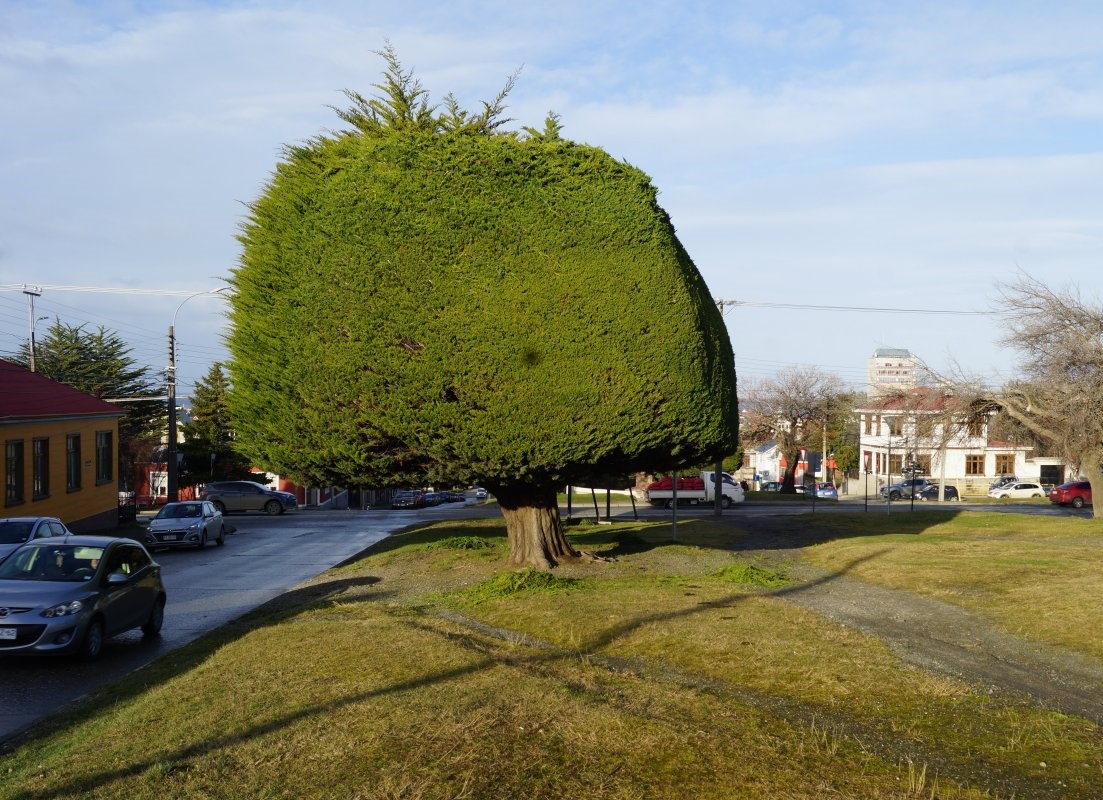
x=72 y=462
x=13 y=472
x=40 y=468
x=896 y=464
x=976 y=427
x=896 y=425
x=103 y=457
x=924 y=462
x=1005 y=463
x=974 y=465
x=867 y=419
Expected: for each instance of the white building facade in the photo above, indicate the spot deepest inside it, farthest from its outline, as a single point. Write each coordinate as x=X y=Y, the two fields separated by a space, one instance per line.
x=921 y=432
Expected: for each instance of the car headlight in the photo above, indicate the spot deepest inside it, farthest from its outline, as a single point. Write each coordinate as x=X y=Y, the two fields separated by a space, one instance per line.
x=63 y=609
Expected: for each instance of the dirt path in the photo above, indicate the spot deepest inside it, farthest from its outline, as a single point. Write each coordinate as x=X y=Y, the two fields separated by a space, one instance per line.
x=929 y=633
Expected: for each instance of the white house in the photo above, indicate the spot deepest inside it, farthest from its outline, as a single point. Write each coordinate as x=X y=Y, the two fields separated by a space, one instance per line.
x=922 y=430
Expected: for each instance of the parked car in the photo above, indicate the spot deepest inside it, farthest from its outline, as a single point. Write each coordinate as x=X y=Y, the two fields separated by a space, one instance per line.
x=480 y=493
x=247 y=496
x=191 y=523
x=930 y=492
x=1001 y=481
x=827 y=491
x=1017 y=491
x=433 y=498
x=14 y=531
x=69 y=595
x=771 y=486
x=408 y=498
x=896 y=491
x=1074 y=493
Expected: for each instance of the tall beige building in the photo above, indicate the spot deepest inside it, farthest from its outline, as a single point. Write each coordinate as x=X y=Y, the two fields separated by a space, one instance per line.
x=891 y=369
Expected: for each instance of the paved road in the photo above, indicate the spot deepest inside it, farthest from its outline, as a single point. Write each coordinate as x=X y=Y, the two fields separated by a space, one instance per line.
x=265 y=557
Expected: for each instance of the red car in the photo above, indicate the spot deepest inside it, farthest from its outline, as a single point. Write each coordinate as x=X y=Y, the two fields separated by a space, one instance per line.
x=1074 y=493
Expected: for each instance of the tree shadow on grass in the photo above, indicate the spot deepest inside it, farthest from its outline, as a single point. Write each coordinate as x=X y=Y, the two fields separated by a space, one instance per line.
x=291 y=604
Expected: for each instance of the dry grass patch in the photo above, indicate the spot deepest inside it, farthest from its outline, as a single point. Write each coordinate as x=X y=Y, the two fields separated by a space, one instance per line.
x=1035 y=578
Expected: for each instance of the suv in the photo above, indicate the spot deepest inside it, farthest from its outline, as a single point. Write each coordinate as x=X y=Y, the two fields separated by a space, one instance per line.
x=904 y=488
x=247 y=496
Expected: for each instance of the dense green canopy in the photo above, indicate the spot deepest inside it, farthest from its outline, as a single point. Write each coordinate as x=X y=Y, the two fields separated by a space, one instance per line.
x=471 y=307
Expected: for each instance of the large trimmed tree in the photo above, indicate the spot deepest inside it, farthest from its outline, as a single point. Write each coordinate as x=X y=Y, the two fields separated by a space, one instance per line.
x=423 y=296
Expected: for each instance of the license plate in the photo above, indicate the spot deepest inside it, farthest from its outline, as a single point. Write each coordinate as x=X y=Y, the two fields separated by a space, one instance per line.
x=169 y=537
x=7 y=634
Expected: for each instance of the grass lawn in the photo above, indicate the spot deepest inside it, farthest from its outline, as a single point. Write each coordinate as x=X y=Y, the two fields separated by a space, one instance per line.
x=674 y=670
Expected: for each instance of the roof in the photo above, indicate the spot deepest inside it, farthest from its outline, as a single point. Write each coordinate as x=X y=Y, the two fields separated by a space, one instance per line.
x=28 y=395
x=891 y=352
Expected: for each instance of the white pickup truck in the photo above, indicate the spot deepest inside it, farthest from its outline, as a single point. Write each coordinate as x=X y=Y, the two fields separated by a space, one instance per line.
x=693 y=491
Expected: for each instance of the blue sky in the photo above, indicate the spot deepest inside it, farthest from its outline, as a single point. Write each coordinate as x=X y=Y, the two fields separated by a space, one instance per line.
x=818 y=159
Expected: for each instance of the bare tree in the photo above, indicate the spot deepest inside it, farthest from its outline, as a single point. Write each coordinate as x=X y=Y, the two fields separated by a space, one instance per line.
x=1060 y=395
x=792 y=409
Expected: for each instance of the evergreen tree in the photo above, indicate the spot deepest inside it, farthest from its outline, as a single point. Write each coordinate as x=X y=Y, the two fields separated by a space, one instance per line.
x=99 y=363
x=208 y=448
x=424 y=296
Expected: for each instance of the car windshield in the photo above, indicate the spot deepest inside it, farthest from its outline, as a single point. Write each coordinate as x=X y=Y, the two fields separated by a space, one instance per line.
x=180 y=511
x=61 y=562
x=14 y=531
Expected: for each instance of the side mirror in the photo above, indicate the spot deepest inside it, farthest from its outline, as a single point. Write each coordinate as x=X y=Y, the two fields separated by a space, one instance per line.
x=117 y=579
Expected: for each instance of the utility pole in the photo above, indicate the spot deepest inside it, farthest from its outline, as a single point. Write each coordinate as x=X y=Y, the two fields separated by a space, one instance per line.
x=32 y=292
x=173 y=486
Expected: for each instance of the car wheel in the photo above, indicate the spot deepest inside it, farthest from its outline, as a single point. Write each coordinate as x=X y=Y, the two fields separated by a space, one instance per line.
x=220 y=506
x=221 y=540
x=894 y=495
x=202 y=540
x=273 y=507
x=92 y=644
x=152 y=626
x=725 y=502
x=1078 y=502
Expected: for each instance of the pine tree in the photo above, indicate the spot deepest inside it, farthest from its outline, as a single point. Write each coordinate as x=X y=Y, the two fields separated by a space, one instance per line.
x=209 y=452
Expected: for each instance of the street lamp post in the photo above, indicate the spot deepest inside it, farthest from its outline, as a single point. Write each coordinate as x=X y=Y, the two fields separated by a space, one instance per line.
x=173 y=483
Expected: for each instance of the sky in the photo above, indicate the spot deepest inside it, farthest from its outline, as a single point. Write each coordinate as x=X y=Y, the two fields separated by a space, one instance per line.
x=848 y=175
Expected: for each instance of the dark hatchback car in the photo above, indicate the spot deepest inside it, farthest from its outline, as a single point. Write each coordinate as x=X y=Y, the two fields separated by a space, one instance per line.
x=408 y=499
x=1074 y=493
x=69 y=594
x=930 y=492
x=247 y=496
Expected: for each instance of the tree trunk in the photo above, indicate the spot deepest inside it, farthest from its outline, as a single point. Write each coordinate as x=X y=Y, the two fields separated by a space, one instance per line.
x=534 y=528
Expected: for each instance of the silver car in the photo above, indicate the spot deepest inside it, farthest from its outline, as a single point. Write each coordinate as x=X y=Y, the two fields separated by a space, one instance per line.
x=70 y=594
x=14 y=531
x=191 y=523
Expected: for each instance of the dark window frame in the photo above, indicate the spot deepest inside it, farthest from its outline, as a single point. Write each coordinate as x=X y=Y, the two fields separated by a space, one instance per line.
x=40 y=467
x=14 y=467
x=105 y=449
x=73 y=465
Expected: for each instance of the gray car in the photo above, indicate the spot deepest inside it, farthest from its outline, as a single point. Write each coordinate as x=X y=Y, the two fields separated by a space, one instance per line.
x=247 y=496
x=70 y=594
x=190 y=523
x=14 y=531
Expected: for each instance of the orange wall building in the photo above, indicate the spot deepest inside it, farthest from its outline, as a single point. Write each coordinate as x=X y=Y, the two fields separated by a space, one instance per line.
x=60 y=451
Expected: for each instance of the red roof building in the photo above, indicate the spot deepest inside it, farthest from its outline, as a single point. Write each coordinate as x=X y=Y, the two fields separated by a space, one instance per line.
x=60 y=451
